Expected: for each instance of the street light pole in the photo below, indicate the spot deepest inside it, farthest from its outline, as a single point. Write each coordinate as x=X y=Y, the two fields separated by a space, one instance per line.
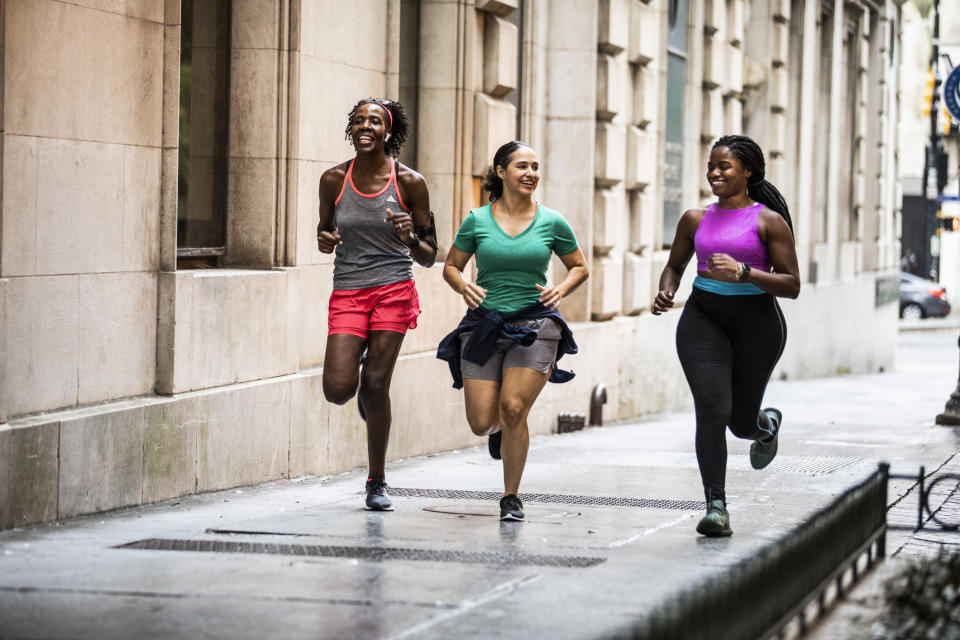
x=931 y=178
x=951 y=412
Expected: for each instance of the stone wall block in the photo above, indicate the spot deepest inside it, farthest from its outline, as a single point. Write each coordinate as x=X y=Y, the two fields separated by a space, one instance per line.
x=117 y=337
x=646 y=97
x=79 y=207
x=101 y=461
x=778 y=132
x=444 y=425
x=253 y=94
x=42 y=98
x=573 y=25
x=500 y=41
x=613 y=25
x=637 y=283
x=251 y=212
x=645 y=36
x=349 y=435
x=238 y=326
x=571 y=76
x=170 y=449
x=712 y=125
x=733 y=115
x=436 y=317
x=305 y=175
x=42 y=327
x=243 y=435
x=714 y=67
x=3 y=352
x=606 y=278
x=734 y=77
x=255 y=24
x=859 y=190
x=18 y=240
x=313 y=290
x=779 y=88
x=151 y=10
x=170 y=115
x=714 y=15
x=438 y=68
x=780 y=49
x=141 y=208
x=776 y=169
x=780 y=9
x=609 y=160
x=611 y=77
x=735 y=21
x=641 y=233
x=309 y=426
x=641 y=158
x=609 y=207
x=498 y=7
x=29 y=458
x=495 y=122
x=122 y=62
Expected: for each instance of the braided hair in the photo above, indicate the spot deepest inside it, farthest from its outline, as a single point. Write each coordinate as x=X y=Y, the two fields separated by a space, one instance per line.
x=398 y=124
x=758 y=188
x=491 y=181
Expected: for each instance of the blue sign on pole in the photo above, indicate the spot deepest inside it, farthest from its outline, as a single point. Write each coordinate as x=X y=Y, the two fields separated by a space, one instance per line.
x=951 y=97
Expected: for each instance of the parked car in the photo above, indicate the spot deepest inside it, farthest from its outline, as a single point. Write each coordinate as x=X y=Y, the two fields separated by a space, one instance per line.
x=921 y=298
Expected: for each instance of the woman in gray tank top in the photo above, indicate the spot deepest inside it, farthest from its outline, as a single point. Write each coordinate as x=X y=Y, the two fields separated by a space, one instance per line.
x=375 y=214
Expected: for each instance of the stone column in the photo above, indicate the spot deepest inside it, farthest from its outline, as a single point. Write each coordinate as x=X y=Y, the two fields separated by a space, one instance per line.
x=837 y=99
x=568 y=155
x=808 y=107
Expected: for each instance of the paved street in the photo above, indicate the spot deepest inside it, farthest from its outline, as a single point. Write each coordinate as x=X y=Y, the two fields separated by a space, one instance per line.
x=609 y=537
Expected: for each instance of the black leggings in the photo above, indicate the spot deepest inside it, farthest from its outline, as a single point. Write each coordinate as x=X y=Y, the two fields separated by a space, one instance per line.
x=728 y=346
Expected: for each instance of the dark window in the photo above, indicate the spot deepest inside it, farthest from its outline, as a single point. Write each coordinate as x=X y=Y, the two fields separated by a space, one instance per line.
x=204 y=116
x=673 y=147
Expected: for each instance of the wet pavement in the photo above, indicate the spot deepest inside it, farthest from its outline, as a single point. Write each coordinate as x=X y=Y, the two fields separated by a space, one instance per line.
x=610 y=532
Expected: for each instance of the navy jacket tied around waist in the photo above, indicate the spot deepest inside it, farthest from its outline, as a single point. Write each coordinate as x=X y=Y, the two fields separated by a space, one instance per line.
x=488 y=326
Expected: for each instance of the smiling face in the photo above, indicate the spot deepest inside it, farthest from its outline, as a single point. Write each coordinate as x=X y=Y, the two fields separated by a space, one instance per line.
x=726 y=174
x=369 y=127
x=522 y=173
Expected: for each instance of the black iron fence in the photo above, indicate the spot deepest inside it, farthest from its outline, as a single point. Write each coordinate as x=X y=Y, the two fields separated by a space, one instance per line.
x=760 y=595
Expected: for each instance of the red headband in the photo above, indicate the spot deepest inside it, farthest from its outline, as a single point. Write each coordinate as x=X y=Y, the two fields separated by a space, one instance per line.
x=382 y=106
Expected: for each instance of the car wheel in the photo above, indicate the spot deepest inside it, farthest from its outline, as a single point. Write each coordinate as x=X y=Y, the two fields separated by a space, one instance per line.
x=911 y=312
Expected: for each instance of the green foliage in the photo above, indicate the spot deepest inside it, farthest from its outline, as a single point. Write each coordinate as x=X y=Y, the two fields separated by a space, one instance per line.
x=923 y=601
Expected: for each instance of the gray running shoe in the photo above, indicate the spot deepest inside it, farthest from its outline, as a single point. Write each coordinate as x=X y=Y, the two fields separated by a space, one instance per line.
x=511 y=508
x=716 y=523
x=378 y=499
x=764 y=450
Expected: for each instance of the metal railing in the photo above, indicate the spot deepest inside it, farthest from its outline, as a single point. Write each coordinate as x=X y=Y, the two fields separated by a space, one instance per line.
x=760 y=595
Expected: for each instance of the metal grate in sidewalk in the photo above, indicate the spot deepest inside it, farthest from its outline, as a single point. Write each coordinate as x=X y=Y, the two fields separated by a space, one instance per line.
x=551 y=498
x=374 y=554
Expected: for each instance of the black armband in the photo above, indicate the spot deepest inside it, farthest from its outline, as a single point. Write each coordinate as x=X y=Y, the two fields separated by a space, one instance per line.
x=428 y=233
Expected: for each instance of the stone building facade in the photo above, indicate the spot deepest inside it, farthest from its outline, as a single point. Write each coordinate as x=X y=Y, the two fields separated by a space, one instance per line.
x=163 y=303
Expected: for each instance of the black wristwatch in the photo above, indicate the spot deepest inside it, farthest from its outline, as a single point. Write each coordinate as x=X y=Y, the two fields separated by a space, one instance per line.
x=416 y=240
x=745 y=271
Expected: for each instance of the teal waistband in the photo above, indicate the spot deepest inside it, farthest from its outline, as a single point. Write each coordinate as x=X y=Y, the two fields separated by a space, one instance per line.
x=727 y=288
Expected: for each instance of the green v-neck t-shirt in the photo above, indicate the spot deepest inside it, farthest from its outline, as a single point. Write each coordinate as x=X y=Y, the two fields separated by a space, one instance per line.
x=510 y=267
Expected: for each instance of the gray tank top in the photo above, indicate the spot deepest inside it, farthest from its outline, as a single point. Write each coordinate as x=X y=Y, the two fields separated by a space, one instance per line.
x=371 y=254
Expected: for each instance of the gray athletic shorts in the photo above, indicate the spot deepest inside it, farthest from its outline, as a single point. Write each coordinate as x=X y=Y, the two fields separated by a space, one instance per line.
x=540 y=355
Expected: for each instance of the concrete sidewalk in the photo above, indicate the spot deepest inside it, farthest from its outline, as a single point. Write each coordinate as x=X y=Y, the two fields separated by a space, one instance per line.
x=610 y=534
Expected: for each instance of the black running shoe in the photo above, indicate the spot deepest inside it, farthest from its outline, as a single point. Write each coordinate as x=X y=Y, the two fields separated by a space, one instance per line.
x=493 y=444
x=378 y=499
x=511 y=508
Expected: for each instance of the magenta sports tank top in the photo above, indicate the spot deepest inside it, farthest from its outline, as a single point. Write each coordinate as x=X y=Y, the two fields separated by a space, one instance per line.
x=731 y=231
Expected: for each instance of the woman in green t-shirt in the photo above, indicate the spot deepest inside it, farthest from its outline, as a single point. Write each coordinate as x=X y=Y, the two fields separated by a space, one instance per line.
x=507 y=344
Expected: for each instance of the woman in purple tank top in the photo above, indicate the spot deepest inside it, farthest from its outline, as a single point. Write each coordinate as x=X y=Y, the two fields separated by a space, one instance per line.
x=732 y=332
x=375 y=214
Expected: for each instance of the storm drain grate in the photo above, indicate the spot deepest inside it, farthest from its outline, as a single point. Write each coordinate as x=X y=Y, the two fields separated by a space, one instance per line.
x=376 y=554
x=550 y=498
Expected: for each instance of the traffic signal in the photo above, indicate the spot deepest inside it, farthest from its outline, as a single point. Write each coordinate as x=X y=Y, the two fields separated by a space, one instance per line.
x=928 y=92
x=949 y=224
